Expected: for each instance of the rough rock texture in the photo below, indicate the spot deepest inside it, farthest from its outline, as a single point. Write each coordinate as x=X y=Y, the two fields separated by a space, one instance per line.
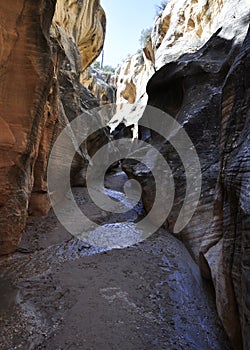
x=84 y=22
x=78 y=31
x=70 y=99
x=39 y=202
x=228 y=254
x=26 y=81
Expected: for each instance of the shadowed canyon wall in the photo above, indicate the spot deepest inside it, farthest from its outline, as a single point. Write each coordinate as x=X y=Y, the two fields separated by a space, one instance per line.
x=198 y=53
x=227 y=254
x=100 y=84
x=213 y=106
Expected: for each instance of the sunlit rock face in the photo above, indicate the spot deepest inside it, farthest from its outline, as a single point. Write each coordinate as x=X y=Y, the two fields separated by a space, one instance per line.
x=131 y=80
x=40 y=93
x=84 y=22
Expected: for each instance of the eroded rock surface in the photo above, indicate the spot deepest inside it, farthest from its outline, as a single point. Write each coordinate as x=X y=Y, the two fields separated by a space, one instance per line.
x=131 y=78
x=40 y=93
x=192 y=90
x=228 y=253
x=189 y=90
x=26 y=84
x=75 y=99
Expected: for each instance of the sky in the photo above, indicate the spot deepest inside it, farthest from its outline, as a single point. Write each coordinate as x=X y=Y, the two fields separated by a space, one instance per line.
x=125 y=21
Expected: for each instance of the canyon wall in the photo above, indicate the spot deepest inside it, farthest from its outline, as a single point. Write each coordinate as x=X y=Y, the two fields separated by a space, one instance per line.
x=196 y=50
x=185 y=25
x=40 y=92
x=26 y=83
x=227 y=255
x=131 y=79
x=194 y=90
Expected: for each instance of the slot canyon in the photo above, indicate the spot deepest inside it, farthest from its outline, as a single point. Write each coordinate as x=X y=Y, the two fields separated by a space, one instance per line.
x=145 y=245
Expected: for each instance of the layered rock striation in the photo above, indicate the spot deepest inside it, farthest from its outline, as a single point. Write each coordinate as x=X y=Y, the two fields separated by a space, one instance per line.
x=227 y=254
x=199 y=81
x=26 y=85
x=42 y=56
x=194 y=90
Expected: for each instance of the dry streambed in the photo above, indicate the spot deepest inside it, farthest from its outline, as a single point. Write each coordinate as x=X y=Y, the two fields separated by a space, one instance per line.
x=59 y=293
